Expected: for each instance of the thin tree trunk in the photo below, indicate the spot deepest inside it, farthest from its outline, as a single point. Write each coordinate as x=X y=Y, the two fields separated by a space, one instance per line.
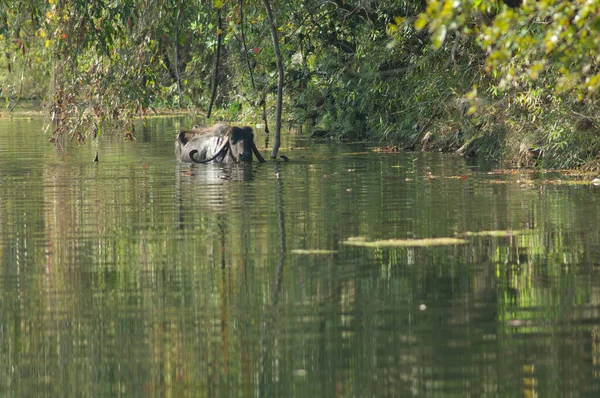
x=177 y=68
x=217 y=62
x=244 y=44
x=263 y=103
x=277 y=142
x=177 y=73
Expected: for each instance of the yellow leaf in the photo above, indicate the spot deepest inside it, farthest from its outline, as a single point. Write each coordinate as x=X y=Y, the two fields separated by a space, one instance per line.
x=218 y=4
x=421 y=21
x=439 y=36
x=47 y=43
x=535 y=70
x=391 y=29
x=473 y=93
x=398 y=20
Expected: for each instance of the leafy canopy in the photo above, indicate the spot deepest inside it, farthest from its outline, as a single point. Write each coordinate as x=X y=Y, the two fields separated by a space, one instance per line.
x=552 y=40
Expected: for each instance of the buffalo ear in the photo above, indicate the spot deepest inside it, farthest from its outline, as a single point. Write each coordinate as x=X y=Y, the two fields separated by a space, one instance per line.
x=183 y=137
x=244 y=133
x=248 y=134
x=234 y=134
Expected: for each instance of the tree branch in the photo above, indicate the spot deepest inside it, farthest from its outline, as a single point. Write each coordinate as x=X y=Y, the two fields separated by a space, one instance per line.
x=217 y=62
x=277 y=142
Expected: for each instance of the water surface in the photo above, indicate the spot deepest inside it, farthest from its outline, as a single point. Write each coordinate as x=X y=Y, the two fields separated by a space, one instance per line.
x=139 y=276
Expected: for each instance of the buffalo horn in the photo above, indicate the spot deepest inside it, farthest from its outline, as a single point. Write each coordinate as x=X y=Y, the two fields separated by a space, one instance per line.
x=258 y=155
x=222 y=148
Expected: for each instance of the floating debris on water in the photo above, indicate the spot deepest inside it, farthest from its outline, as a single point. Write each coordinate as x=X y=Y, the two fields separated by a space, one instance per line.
x=313 y=251
x=497 y=234
x=426 y=242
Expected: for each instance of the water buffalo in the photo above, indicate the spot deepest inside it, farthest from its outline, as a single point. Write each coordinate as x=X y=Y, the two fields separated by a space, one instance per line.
x=219 y=143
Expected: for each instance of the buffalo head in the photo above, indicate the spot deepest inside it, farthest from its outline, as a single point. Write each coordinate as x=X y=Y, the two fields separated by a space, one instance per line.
x=241 y=144
x=220 y=143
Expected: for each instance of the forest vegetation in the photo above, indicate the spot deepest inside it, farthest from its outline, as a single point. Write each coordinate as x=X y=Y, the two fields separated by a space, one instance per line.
x=511 y=80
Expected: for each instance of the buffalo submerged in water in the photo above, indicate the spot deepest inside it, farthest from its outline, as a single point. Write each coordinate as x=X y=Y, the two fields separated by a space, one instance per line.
x=220 y=143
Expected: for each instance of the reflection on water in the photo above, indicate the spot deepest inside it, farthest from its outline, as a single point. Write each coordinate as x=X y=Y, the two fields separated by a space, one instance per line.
x=214 y=173
x=139 y=276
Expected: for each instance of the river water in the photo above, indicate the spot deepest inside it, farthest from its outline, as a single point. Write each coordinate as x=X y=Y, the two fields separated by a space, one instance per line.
x=139 y=276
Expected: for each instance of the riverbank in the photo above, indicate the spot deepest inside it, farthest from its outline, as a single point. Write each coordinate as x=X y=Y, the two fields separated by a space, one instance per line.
x=459 y=109
x=518 y=131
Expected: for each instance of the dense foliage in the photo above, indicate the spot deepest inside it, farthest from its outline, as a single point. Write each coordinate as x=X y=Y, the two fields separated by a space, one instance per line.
x=504 y=79
x=542 y=56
